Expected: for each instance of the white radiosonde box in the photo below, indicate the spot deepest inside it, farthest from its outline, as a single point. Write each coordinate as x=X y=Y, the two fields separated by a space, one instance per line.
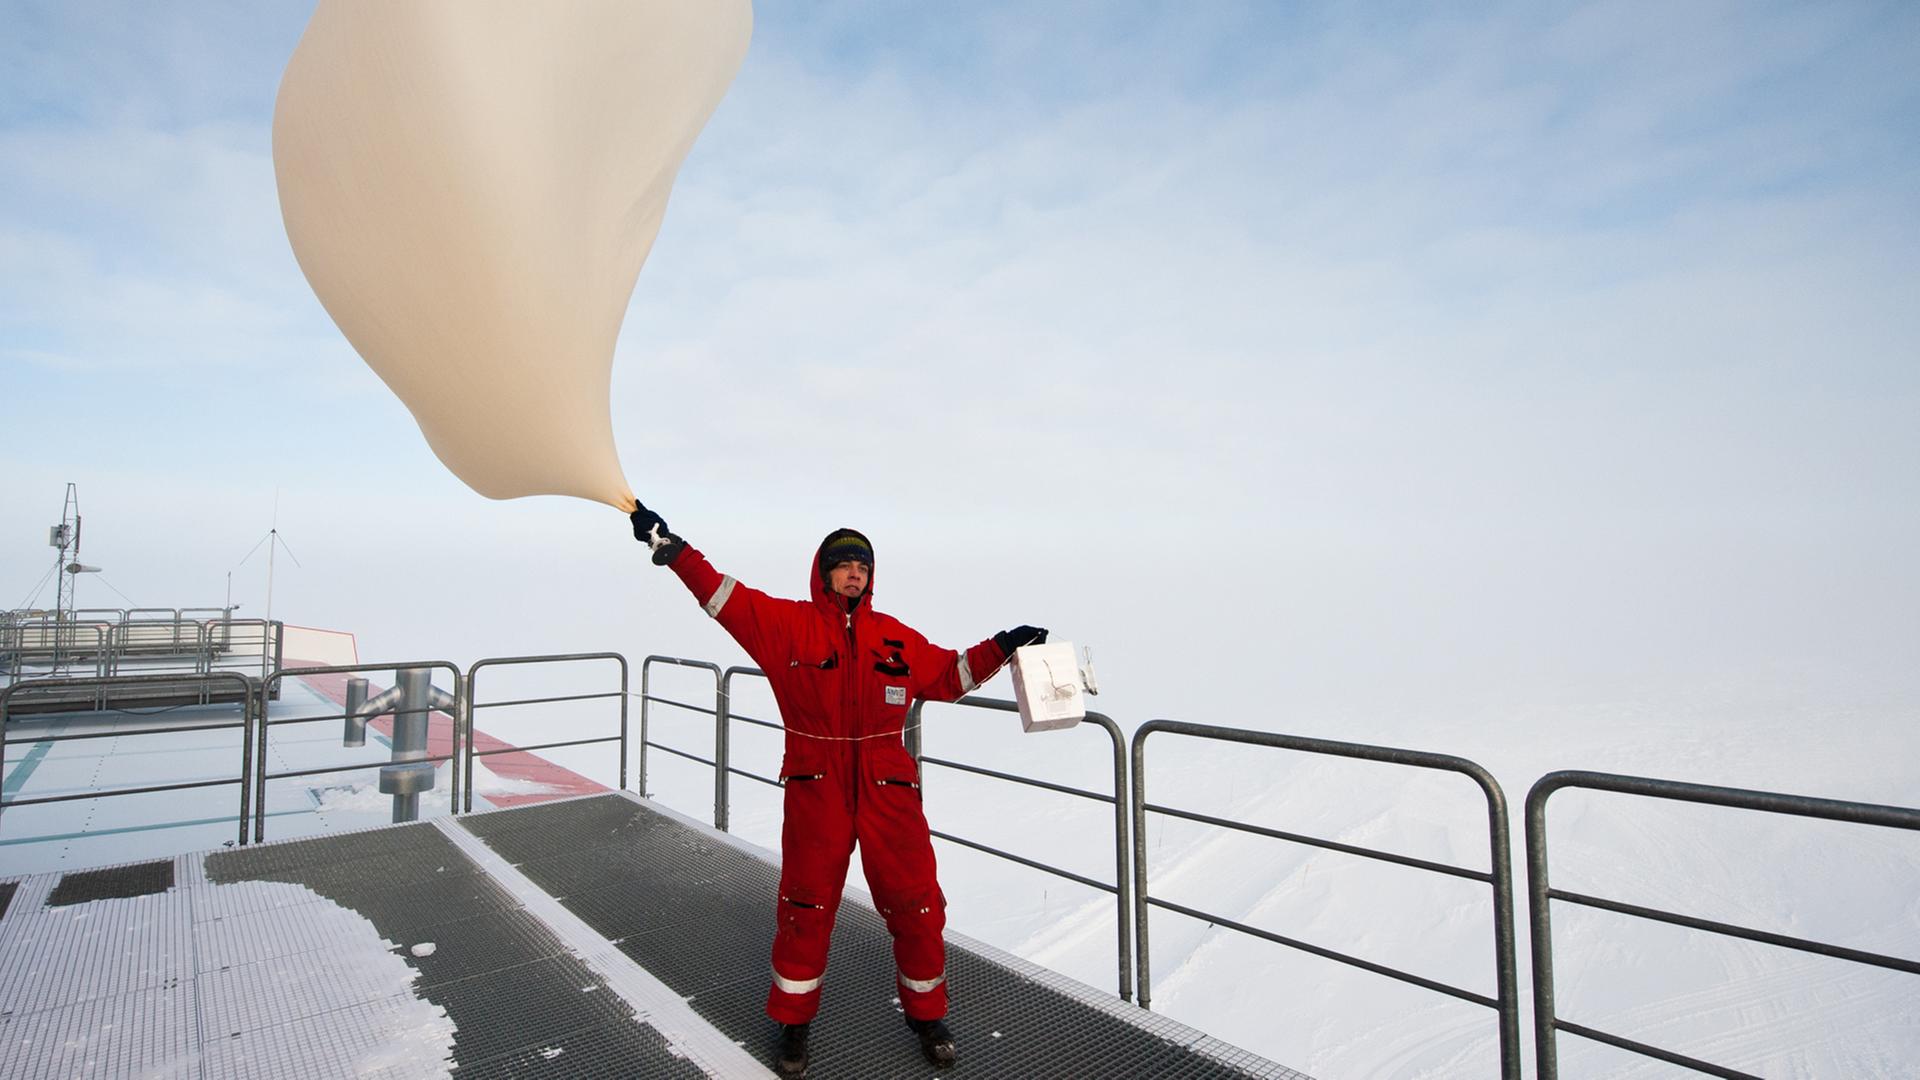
x=1046 y=686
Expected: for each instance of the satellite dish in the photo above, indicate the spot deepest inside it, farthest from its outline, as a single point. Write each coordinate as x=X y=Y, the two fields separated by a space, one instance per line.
x=471 y=188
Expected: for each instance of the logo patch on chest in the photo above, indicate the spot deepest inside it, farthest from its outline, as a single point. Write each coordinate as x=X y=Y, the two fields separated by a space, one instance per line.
x=896 y=695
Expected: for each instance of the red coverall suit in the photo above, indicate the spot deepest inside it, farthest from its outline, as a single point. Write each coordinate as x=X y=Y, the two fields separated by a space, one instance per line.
x=844 y=680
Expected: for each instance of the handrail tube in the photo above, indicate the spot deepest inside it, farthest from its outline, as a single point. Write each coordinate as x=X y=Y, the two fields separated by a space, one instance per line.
x=681 y=753
x=646 y=670
x=115 y=734
x=755 y=721
x=1123 y=881
x=1506 y=1002
x=1330 y=954
x=1027 y=780
x=111 y=792
x=723 y=742
x=1092 y=883
x=101 y=685
x=550 y=700
x=321 y=770
x=701 y=709
x=1764 y=937
x=468 y=705
x=1669 y=1056
x=1331 y=845
x=546 y=746
x=1540 y=890
x=269 y=687
x=754 y=776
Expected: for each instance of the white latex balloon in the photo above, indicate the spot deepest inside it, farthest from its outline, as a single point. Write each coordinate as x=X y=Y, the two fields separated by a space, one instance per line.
x=471 y=187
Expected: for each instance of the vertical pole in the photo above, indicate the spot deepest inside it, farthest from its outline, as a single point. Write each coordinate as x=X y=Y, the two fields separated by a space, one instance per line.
x=914 y=744
x=1546 y=1062
x=260 y=765
x=640 y=772
x=410 y=733
x=246 y=757
x=720 y=751
x=624 y=682
x=1121 y=886
x=1505 y=977
x=465 y=764
x=1143 y=986
x=453 y=741
x=354 y=730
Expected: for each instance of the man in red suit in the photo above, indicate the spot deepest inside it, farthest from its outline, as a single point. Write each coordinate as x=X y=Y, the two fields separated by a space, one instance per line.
x=844 y=676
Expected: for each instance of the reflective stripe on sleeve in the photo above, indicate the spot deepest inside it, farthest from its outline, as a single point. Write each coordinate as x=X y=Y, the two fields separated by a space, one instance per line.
x=966 y=675
x=920 y=986
x=798 y=986
x=719 y=599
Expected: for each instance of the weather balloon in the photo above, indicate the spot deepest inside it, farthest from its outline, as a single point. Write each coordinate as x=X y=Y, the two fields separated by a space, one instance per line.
x=471 y=187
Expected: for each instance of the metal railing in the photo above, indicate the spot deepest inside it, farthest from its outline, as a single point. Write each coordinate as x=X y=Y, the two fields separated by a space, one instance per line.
x=141 y=646
x=102 y=690
x=470 y=697
x=54 y=647
x=266 y=724
x=1540 y=893
x=722 y=764
x=718 y=712
x=1118 y=800
x=1506 y=1003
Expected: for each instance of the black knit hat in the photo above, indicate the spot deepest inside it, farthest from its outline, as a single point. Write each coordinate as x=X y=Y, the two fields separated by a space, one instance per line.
x=844 y=545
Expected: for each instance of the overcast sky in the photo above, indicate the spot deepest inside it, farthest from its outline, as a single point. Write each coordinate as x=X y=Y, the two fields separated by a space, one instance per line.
x=1302 y=359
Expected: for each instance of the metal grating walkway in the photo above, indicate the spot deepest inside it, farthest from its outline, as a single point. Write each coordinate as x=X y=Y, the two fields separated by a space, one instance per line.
x=602 y=936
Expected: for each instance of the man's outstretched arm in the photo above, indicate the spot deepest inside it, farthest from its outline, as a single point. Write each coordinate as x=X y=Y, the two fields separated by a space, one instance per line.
x=740 y=610
x=952 y=674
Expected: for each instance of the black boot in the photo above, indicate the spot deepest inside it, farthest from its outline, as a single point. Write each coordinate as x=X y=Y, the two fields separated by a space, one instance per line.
x=791 y=1060
x=936 y=1042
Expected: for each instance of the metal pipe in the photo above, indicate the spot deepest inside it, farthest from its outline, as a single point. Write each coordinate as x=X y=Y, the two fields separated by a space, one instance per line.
x=1506 y=1003
x=1540 y=891
x=1123 y=892
x=246 y=759
x=355 y=731
x=646 y=666
x=723 y=744
x=640 y=772
x=624 y=678
x=407 y=776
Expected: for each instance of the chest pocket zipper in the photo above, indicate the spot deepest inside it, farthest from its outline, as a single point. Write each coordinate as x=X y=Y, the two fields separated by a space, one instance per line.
x=828 y=664
x=899 y=783
x=785 y=780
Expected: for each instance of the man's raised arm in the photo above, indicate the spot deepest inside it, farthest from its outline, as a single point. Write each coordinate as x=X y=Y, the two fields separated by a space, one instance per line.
x=740 y=610
x=953 y=674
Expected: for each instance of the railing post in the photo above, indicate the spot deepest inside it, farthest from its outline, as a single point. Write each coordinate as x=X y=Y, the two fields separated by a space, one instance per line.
x=913 y=735
x=473 y=695
x=640 y=773
x=246 y=759
x=1143 y=960
x=260 y=765
x=461 y=687
x=1540 y=936
x=1120 y=869
x=625 y=681
x=720 y=713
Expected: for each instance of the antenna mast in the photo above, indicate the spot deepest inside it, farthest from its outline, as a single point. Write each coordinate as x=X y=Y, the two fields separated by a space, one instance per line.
x=66 y=537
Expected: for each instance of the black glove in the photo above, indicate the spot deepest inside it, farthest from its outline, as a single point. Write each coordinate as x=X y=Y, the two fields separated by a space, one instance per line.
x=1009 y=640
x=651 y=529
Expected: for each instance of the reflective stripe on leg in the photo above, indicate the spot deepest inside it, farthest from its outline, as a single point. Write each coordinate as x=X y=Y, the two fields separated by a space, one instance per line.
x=808 y=986
x=920 y=986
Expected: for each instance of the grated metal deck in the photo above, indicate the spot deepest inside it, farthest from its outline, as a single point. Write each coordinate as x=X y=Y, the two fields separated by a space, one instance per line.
x=602 y=936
